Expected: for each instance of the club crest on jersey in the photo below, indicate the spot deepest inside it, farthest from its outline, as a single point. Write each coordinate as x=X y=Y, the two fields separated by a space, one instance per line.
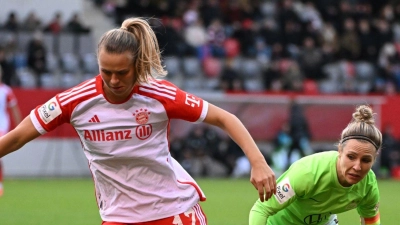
x=141 y=116
x=284 y=191
x=49 y=111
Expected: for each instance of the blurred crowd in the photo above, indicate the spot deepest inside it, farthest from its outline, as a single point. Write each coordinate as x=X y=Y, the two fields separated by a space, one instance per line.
x=31 y=46
x=319 y=46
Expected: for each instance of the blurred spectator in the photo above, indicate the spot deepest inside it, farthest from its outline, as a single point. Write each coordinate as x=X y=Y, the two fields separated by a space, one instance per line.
x=384 y=33
x=170 y=38
x=12 y=22
x=10 y=45
x=108 y=7
x=293 y=78
x=246 y=34
x=299 y=132
x=293 y=36
x=369 y=50
x=281 y=144
x=216 y=38
x=192 y=14
x=75 y=25
x=263 y=52
x=36 y=53
x=8 y=69
x=310 y=59
x=311 y=15
x=287 y=14
x=230 y=80
x=201 y=145
x=349 y=41
x=195 y=35
x=329 y=35
x=32 y=22
x=55 y=26
x=270 y=32
x=390 y=153
x=209 y=11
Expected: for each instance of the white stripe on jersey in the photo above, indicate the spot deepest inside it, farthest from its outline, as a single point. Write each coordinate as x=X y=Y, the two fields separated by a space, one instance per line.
x=90 y=83
x=199 y=214
x=77 y=92
x=78 y=96
x=169 y=94
x=163 y=86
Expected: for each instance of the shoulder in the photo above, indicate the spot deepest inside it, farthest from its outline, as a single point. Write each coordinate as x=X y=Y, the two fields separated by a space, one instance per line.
x=80 y=92
x=319 y=159
x=312 y=169
x=159 y=89
x=370 y=179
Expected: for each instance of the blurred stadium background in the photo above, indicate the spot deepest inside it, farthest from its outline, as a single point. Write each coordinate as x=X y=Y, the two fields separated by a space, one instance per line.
x=250 y=57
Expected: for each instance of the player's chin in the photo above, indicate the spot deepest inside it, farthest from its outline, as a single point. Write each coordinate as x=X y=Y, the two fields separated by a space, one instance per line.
x=353 y=179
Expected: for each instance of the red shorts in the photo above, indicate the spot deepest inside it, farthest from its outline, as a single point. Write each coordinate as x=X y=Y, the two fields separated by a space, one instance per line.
x=194 y=216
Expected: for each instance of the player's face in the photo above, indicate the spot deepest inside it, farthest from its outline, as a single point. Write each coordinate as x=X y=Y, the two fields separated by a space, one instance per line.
x=117 y=73
x=355 y=160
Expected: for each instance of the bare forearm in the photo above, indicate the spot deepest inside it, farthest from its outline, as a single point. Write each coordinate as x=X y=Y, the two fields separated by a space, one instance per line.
x=9 y=143
x=18 y=137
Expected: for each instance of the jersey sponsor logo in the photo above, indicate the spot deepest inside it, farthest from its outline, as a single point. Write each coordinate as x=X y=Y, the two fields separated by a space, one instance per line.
x=141 y=116
x=192 y=101
x=144 y=131
x=284 y=191
x=318 y=218
x=102 y=135
x=49 y=111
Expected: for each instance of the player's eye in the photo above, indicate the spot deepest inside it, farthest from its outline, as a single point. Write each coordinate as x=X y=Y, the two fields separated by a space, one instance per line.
x=366 y=160
x=121 y=73
x=106 y=72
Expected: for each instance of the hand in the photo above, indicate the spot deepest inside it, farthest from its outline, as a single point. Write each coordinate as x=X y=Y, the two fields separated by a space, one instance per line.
x=263 y=179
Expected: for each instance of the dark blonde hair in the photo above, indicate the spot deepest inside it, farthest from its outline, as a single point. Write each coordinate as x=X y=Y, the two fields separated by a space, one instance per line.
x=136 y=36
x=362 y=127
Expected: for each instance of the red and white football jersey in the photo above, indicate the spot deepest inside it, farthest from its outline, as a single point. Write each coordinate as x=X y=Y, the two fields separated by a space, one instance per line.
x=7 y=100
x=127 y=147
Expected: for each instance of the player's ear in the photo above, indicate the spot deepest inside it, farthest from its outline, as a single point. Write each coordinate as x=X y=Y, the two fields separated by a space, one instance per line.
x=340 y=148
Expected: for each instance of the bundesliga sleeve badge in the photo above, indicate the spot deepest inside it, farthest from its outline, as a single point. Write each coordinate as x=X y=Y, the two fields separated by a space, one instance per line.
x=284 y=191
x=49 y=111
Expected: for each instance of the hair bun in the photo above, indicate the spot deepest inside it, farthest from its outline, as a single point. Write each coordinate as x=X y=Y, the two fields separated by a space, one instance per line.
x=364 y=113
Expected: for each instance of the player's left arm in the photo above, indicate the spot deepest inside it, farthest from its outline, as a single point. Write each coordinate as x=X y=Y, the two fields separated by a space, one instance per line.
x=369 y=206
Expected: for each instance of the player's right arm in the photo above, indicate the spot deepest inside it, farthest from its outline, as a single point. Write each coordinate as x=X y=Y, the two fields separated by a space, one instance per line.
x=295 y=182
x=18 y=137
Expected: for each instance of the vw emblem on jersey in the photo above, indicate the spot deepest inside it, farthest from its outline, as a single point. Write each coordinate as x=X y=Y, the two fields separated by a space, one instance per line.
x=141 y=116
x=144 y=131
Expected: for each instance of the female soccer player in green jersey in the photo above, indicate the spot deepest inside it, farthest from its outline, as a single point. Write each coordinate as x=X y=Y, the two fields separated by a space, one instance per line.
x=318 y=187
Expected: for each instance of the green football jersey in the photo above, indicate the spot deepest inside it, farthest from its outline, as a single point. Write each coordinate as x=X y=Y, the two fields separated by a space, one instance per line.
x=309 y=192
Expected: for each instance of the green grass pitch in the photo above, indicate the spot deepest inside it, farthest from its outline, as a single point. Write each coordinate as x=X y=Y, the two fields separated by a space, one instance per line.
x=72 y=202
